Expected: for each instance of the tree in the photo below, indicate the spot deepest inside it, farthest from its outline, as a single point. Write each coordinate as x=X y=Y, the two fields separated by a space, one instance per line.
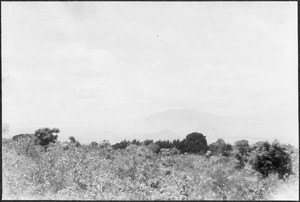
x=243 y=147
x=227 y=150
x=45 y=136
x=176 y=143
x=241 y=152
x=74 y=141
x=136 y=142
x=122 y=145
x=146 y=142
x=164 y=144
x=93 y=144
x=195 y=143
x=273 y=158
x=220 y=148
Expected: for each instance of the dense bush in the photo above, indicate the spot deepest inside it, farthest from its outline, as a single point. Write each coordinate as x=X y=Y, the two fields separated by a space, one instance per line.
x=194 y=143
x=136 y=172
x=45 y=136
x=146 y=142
x=74 y=142
x=164 y=144
x=220 y=148
x=154 y=148
x=272 y=158
x=243 y=147
x=121 y=145
x=241 y=152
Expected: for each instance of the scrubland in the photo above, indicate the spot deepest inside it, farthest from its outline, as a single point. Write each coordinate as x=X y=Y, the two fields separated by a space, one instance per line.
x=135 y=173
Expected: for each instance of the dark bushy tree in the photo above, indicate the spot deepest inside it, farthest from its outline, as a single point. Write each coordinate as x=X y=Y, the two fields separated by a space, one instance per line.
x=176 y=143
x=136 y=142
x=147 y=142
x=228 y=150
x=194 y=143
x=164 y=144
x=121 y=145
x=273 y=158
x=45 y=136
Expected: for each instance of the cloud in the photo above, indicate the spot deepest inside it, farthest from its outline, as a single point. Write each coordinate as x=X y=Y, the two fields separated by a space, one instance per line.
x=78 y=60
x=75 y=62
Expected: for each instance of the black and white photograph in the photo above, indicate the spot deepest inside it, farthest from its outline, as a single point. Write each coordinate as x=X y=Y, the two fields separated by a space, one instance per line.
x=153 y=100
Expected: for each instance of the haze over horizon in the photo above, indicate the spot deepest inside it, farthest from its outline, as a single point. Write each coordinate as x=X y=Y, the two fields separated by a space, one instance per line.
x=88 y=66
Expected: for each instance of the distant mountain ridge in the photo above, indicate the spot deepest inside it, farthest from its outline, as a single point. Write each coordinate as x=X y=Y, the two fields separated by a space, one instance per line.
x=263 y=126
x=176 y=124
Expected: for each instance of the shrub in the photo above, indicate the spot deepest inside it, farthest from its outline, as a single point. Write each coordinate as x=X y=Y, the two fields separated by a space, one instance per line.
x=22 y=136
x=134 y=173
x=273 y=158
x=121 y=145
x=241 y=152
x=45 y=136
x=220 y=148
x=74 y=142
x=154 y=148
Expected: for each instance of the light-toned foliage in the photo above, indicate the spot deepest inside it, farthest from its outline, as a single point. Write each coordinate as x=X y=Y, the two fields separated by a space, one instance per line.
x=134 y=173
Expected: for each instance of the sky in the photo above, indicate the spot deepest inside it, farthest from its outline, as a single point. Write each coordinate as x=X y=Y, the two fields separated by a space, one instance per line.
x=99 y=63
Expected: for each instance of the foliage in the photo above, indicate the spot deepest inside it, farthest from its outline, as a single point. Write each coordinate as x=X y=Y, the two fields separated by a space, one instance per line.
x=104 y=144
x=272 y=158
x=220 y=148
x=147 y=142
x=136 y=142
x=21 y=136
x=136 y=172
x=45 y=136
x=241 y=152
x=169 y=152
x=243 y=147
x=164 y=144
x=195 y=143
x=93 y=145
x=154 y=147
x=74 y=142
x=121 y=145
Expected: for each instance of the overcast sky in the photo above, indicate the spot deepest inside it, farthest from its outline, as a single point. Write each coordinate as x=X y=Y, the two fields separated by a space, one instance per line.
x=78 y=63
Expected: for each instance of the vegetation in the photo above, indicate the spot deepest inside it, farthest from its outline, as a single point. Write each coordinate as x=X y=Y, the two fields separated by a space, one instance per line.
x=45 y=136
x=220 y=148
x=145 y=170
x=272 y=158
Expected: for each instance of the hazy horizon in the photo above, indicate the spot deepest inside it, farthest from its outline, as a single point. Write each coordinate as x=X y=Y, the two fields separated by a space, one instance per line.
x=83 y=65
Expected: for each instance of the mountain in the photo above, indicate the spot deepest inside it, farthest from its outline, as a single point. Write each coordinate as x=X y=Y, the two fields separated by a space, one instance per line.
x=255 y=127
x=176 y=124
